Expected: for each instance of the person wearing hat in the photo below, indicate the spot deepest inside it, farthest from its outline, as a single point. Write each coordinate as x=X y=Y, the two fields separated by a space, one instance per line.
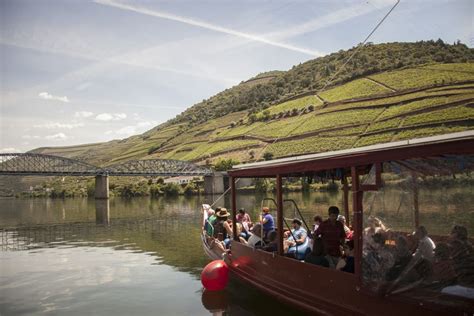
x=222 y=229
x=297 y=236
x=267 y=221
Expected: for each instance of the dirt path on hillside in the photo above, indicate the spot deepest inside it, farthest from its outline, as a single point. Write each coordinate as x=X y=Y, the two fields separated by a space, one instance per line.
x=381 y=84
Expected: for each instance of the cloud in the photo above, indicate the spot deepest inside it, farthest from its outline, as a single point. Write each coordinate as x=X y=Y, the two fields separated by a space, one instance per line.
x=208 y=26
x=57 y=125
x=30 y=137
x=58 y=136
x=111 y=116
x=332 y=18
x=48 y=96
x=83 y=114
x=9 y=150
x=130 y=130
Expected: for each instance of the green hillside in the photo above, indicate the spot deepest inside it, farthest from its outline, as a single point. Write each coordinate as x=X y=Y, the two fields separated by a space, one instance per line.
x=388 y=92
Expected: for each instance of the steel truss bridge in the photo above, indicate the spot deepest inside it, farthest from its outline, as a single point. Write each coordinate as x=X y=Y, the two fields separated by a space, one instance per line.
x=30 y=164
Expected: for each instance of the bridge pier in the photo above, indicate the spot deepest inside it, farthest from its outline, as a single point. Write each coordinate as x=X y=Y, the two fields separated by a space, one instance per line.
x=101 y=187
x=214 y=184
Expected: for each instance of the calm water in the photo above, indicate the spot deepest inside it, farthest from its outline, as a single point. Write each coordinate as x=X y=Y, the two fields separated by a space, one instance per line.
x=123 y=257
x=143 y=256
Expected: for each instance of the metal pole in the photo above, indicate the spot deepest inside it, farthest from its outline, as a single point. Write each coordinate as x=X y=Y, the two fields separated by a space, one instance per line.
x=279 y=193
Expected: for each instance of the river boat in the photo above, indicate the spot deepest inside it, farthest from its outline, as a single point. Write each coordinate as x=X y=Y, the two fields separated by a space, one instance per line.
x=387 y=181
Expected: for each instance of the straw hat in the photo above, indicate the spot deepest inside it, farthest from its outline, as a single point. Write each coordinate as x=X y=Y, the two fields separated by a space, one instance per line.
x=223 y=213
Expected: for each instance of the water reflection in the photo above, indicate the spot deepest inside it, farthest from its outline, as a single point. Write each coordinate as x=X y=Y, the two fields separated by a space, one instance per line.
x=102 y=211
x=114 y=257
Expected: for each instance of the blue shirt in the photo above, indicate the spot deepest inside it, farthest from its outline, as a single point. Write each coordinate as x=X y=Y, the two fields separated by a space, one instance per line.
x=298 y=233
x=269 y=225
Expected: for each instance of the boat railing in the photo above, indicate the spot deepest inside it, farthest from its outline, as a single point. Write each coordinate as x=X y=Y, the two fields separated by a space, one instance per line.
x=297 y=209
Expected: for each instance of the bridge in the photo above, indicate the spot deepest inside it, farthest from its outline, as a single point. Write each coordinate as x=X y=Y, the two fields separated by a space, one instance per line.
x=32 y=164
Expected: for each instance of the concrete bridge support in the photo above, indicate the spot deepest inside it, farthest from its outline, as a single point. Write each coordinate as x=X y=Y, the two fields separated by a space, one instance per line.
x=101 y=187
x=214 y=184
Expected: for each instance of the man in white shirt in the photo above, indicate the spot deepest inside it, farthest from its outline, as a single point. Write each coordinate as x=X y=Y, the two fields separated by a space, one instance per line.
x=426 y=246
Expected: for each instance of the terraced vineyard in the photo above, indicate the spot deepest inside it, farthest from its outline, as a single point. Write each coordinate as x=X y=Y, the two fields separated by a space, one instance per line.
x=398 y=105
x=389 y=106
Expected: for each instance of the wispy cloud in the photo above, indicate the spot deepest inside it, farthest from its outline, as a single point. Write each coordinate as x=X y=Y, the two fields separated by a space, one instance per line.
x=111 y=116
x=58 y=136
x=83 y=114
x=48 y=96
x=30 y=137
x=208 y=26
x=57 y=125
x=332 y=18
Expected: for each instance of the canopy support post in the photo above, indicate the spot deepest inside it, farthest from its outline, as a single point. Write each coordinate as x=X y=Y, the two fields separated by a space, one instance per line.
x=234 y=208
x=346 y=200
x=357 y=195
x=415 y=200
x=279 y=193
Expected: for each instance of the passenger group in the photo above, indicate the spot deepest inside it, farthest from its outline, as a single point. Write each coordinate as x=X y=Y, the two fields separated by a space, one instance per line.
x=388 y=258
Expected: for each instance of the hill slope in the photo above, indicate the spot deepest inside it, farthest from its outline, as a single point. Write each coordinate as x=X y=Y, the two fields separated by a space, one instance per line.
x=387 y=92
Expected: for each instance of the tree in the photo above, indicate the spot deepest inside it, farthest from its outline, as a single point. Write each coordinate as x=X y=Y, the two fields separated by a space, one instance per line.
x=266 y=115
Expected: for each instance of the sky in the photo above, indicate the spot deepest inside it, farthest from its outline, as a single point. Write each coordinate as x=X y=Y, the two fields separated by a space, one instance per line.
x=79 y=71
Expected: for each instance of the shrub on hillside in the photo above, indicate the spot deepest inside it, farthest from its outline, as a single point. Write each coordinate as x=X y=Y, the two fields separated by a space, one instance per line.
x=268 y=156
x=225 y=164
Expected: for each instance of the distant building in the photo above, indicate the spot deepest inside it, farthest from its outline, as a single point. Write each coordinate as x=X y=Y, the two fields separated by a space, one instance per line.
x=179 y=180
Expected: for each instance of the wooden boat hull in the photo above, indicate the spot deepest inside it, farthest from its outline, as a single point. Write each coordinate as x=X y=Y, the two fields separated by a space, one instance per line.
x=315 y=289
x=212 y=252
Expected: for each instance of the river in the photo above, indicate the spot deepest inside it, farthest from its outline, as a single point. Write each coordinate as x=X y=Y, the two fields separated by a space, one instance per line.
x=133 y=256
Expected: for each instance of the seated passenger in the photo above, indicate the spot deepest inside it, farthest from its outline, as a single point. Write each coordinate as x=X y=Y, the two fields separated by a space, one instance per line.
x=221 y=226
x=267 y=221
x=208 y=224
x=242 y=216
x=425 y=246
x=462 y=254
x=296 y=236
x=378 y=260
x=375 y=225
x=347 y=263
x=332 y=233
x=402 y=258
x=443 y=266
x=255 y=239
x=318 y=255
x=347 y=230
x=317 y=221
x=244 y=219
x=272 y=245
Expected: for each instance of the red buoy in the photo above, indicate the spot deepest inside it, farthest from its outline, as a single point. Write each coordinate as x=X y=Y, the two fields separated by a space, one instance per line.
x=215 y=275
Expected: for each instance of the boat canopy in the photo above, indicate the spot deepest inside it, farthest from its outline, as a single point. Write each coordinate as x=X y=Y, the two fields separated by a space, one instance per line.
x=455 y=143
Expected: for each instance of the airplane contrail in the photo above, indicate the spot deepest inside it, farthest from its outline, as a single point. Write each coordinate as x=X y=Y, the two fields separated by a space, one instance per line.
x=208 y=26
